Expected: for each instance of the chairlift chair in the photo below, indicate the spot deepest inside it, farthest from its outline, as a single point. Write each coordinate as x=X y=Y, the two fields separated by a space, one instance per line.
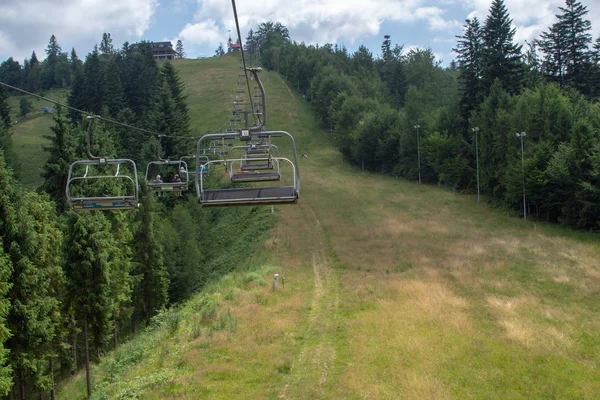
x=250 y=195
x=92 y=173
x=167 y=186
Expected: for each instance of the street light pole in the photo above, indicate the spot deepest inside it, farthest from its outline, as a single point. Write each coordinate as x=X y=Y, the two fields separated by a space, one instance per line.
x=418 y=152
x=522 y=135
x=476 y=130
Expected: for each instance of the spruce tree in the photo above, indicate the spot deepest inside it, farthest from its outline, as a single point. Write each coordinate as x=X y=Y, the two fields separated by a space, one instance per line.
x=176 y=87
x=93 y=83
x=5 y=286
x=576 y=39
x=114 y=96
x=61 y=155
x=48 y=73
x=33 y=75
x=106 y=47
x=89 y=246
x=150 y=273
x=469 y=50
x=179 y=49
x=5 y=118
x=32 y=239
x=501 y=56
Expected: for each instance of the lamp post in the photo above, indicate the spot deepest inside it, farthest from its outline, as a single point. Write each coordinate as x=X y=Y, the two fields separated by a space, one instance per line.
x=476 y=131
x=418 y=152
x=522 y=135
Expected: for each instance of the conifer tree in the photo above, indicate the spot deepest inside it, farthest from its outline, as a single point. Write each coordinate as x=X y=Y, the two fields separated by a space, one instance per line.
x=75 y=65
x=114 y=98
x=89 y=248
x=32 y=239
x=179 y=49
x=501 y=56
x=5 y=286
x=176 y=88
x=48 y=72
x=33 y=75
x=61 y=155
x=4 y=109
x=93 y=84
x=106 y=46
x=150 y=292
x=469 y=50
x=576 y=37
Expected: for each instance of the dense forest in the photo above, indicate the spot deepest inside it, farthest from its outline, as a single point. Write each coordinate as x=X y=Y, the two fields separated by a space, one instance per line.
x=391 y=113
x=73 y=285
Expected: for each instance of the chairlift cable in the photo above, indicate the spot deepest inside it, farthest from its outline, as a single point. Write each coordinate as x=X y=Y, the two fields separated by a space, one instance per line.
x=237 y=26
x=89 y=114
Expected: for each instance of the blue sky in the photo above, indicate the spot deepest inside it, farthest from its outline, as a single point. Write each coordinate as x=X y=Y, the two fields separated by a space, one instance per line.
x=26 y=25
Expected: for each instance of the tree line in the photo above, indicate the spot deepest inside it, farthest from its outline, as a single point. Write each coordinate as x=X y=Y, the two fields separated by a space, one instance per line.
x=384 y=112
x=72 y=285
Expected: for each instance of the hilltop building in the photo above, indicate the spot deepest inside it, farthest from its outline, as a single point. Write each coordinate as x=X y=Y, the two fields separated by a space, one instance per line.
x=160 y=50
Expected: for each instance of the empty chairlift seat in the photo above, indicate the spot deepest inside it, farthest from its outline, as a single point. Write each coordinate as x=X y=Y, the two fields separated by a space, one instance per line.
x=258 y=170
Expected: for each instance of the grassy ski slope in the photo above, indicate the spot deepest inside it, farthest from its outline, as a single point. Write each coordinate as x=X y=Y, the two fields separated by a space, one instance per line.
x=392 y=290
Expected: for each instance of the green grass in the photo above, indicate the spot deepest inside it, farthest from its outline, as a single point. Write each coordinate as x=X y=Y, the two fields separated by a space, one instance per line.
x=392 y=290
x=27 y=136
x=28 y=143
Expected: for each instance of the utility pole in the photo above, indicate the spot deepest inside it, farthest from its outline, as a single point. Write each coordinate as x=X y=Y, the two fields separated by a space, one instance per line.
x=418 y=152
x=522 y=135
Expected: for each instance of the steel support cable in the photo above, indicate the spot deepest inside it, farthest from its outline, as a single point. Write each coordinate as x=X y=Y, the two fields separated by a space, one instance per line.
x=89 y=114
x=237 y=26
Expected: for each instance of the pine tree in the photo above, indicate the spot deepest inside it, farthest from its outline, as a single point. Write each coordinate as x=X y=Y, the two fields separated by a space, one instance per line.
x=469 y=51
x=93 y=84
x=150 y=273
x=576 y=38
x=501 y=56
x=219 y=52
x=5 y=286
x=89 y=247
x=165 y=118
x=5 y=118
x=179 y=49
x=61 y=155
x=120 y=278
x=48 y=72
x=33 y=75
x=176 y=87
x=32 y=239
x=114 y=97
x=106 y=47
x=75 y=65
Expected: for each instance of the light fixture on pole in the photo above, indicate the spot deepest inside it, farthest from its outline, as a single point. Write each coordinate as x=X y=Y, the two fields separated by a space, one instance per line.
x=476 y=131
x=522 y=135
x=418 y=152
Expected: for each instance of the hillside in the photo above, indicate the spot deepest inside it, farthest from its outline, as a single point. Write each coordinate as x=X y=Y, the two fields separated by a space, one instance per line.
x=391 y=290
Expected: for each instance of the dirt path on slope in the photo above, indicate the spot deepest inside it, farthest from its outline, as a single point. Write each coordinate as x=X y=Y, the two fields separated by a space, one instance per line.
x=311 y=367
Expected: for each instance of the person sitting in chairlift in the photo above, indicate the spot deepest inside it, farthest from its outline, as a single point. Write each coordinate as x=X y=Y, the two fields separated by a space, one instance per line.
x=202 y=168
x=182 y=171
x=157 y=181
x=177 y=179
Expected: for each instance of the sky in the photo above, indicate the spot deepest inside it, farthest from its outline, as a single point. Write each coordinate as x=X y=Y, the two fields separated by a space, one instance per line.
x=26 y=25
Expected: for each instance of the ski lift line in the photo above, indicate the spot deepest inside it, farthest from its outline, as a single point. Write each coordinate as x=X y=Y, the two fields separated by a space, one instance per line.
x=237 y=26
x=92 y=115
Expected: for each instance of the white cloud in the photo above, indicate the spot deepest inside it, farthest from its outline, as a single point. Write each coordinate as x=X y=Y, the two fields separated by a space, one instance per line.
x=321 y=21
x=81 y=22
x=204 y=32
